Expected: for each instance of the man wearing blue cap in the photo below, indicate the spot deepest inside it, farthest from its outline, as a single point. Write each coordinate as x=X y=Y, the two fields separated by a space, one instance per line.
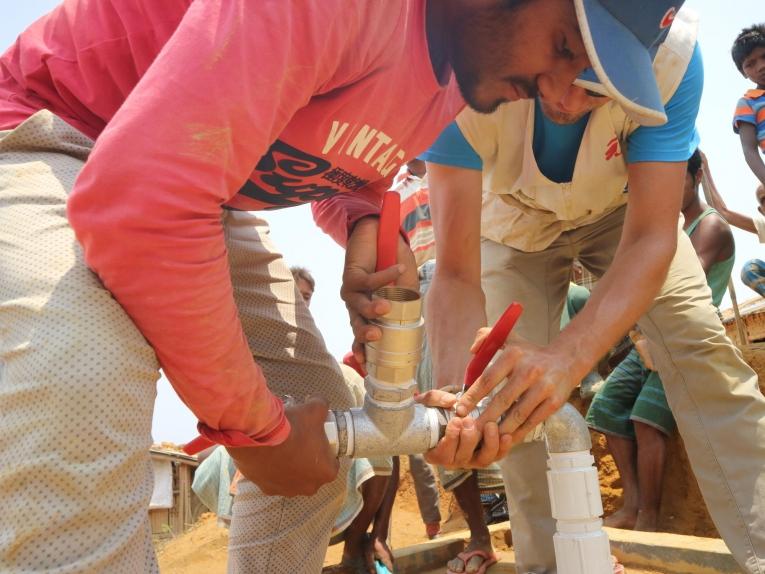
x=543 y=182
x=136 y=138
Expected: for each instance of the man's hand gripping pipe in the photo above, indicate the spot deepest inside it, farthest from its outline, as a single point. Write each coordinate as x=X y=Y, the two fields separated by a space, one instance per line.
x=390 y=422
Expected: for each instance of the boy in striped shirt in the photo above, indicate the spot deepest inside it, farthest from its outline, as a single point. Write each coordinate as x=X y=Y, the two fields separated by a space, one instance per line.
x=749 y=121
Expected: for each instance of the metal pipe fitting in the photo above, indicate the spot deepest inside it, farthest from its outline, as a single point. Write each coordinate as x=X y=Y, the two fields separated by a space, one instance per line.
x=389 y=422
x=566 y=431
x=354 y=433
x=392 y=365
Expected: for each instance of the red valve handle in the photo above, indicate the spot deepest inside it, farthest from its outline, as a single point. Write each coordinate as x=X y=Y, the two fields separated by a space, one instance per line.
x=492 y=343
x=387 y=233
x=197 y=445
x=350 y=360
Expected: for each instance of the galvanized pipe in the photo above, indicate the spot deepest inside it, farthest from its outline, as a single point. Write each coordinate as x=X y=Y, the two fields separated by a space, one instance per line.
x=391 y=423
x=566 y=431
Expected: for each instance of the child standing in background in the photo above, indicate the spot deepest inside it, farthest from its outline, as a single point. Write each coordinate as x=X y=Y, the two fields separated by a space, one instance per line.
x=749 y=121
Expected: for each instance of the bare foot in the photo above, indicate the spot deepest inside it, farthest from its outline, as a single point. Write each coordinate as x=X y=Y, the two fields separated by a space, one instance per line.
x=647 y=521
x=622 y=518
x=458 y=565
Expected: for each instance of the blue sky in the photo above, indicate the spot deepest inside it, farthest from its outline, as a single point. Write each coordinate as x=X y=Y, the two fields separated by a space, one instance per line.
x=302 y=243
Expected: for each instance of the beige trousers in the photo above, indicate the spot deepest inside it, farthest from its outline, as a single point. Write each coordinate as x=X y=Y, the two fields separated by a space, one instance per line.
x=78 y=382
x=713 y=394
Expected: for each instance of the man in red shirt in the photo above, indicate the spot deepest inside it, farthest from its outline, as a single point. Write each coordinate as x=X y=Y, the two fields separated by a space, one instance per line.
x=139 y=135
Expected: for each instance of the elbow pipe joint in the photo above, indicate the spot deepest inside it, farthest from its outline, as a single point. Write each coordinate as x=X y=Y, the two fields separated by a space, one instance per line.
x=390 y=422
x=565 y=431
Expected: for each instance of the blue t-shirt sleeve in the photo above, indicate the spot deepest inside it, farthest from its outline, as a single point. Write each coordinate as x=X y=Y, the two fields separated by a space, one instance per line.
x=452 y=149
x=677 y=139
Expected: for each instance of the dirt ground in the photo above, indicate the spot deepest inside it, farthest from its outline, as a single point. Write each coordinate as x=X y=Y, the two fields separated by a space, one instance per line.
x=683 y=510
x=202 y=550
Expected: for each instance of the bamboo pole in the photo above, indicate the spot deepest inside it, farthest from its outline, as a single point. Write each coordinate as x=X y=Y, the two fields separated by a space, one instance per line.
x=740 y=327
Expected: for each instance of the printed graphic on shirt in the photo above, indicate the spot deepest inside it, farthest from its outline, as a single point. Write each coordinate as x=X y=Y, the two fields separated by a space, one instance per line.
x=286 y=176
x=376 y=146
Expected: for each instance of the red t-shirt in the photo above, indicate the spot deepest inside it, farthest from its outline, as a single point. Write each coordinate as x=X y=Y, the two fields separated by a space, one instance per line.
x=323 y=99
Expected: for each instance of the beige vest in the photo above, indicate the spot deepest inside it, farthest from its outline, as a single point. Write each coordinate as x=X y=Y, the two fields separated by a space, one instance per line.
x=527 y=211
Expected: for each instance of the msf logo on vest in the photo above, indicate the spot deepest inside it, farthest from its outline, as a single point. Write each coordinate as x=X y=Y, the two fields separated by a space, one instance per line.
x=613 y=149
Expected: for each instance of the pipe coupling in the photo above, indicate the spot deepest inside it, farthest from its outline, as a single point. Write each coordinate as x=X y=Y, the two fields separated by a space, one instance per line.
x=392 y=360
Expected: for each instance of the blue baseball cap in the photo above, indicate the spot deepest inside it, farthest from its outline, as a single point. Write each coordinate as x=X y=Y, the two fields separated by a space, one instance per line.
x=621 y=38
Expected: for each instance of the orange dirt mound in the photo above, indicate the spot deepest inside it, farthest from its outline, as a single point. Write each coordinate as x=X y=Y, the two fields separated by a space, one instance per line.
x=202 y=549
x=682 y=511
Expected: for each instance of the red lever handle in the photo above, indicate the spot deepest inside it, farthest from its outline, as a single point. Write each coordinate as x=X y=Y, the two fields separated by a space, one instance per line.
x=197 y=445
x=491 y=344
x=387 y=233
x=350 y=360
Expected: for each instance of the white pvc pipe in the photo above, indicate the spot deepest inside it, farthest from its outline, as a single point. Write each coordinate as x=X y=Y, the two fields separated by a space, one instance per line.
x=390 y=423
x=581 y=545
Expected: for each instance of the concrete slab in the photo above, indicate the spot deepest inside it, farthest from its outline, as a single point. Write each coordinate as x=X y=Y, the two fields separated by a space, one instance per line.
x=672 y=553
x=427 y=556
x=433 y=555
x=657 y=552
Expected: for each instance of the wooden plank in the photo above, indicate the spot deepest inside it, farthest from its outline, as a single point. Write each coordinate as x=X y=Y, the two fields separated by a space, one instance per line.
x=706 y=186
x=160 y=453
x=743 y=335
x=184 y=496
x=754 y=323
x=159 y=519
